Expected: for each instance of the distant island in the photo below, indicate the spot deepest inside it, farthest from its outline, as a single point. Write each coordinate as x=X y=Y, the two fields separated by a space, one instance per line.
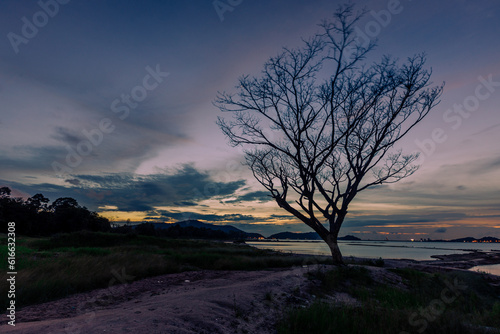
x=305 y=236
x=197 y=229
x=467 y=239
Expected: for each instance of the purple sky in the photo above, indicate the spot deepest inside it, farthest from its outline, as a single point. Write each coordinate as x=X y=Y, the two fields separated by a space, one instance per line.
x=110 y=102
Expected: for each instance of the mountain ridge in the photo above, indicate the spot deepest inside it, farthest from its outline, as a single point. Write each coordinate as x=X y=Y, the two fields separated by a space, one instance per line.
x=305 y=236
x=228 y=229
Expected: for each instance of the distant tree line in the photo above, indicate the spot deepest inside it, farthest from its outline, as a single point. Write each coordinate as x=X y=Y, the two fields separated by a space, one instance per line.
x=176 y=231
x=36 y=217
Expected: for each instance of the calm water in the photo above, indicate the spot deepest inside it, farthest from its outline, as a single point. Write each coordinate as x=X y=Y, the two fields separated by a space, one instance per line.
x=492 y=269
x=377 y=249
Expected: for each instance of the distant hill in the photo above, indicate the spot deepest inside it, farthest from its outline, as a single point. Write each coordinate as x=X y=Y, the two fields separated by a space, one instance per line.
x=349 y=237
x=295 y=236
x=305 y=236
x=470 y=239
x=231 y=231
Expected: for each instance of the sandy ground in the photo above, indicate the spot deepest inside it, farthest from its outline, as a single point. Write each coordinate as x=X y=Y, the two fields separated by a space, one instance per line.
x=192 y=302
x=203 y=301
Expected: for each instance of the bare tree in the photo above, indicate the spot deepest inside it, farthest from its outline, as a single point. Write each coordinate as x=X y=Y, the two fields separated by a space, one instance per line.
x=319 y=126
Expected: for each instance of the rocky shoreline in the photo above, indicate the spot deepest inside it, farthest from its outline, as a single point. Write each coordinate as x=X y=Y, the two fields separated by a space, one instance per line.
x=467 y=260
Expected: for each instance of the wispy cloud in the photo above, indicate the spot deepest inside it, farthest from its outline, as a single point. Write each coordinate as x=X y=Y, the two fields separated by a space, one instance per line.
x=131 y=192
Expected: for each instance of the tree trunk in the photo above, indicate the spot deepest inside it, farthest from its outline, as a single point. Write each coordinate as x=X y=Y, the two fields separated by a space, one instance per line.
x=331 y=241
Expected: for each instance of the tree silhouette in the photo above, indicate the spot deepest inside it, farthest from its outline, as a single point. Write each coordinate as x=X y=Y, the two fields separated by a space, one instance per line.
x=4 y=192
x=36 y=217
x=37 y=203
x=318 y=126
x=64 y=203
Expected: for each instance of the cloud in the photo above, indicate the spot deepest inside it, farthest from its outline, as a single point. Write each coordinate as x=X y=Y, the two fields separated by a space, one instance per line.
x=282 y=217
x=471 y=168
x=33 y=145
x=185 y=215
x=185 y=185
x=108 y=208
x=132 y=192
x=185 y=203
x=67 y=136
x=29 y=159
x=488 y=165
x=463 y=187
x=74 y=182
x=259 y=196
x=410 y=220
x=487 y=129
x=440 y=230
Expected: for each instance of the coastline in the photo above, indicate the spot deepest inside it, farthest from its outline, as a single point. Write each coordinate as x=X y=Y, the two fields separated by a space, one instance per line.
x=420 y=251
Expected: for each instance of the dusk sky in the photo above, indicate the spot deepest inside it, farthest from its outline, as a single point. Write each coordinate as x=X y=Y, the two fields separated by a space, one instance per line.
x=111 y=103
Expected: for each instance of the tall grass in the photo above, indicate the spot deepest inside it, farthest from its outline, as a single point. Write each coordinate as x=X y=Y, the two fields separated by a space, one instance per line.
x=369 y=319
x=64 y=264
x=388 y=309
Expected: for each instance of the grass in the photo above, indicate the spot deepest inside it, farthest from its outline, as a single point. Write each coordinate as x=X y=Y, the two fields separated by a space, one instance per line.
x=366 y=262
x=342 y=278
x=383 y=308
x=52 y=268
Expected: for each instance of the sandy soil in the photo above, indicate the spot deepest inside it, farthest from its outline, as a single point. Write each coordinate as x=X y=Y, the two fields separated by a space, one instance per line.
x=202 y=301
x=192 y=302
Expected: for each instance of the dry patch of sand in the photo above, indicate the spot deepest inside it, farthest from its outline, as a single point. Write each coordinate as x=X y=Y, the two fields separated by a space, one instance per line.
x=191 y=302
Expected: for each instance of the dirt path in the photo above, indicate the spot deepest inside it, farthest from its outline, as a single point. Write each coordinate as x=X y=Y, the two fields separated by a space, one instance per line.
x=193 y=302
x=199 y=302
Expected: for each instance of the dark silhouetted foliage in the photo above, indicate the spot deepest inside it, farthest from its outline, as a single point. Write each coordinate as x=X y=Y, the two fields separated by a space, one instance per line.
x=36 y=217
x=177 y=231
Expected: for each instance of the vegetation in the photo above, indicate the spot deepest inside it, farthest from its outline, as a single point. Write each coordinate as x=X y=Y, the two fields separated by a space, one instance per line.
x=36 y=217
x=52 y=268
x=455 y=302
x=190 y=232
x=83 y=259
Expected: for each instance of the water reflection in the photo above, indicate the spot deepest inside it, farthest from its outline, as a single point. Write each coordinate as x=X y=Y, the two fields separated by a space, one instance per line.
x=490 y=269
x=377 y=249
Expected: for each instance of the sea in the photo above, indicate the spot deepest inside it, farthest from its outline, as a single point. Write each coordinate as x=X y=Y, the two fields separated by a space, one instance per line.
x=417 y=250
